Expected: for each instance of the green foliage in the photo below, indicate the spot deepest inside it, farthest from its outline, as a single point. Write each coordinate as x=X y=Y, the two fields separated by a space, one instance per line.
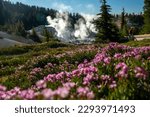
x=7 y=71
x=19 y=29
x=1 y=13
x=16 y=28
x=80 y=57
x=145 y=42
x=129 y=20
x=136 y=20
x=15 y=50
x=124 y=28
x=18 y=81
x=146 y=28
x=14 y=61
x=48 y=59
x=54 y=86
x=18 y=50
x=107 y=31
x=30 y=16
x=123 y=22
x=34 y=36
x=130 y=89
x=48 y=35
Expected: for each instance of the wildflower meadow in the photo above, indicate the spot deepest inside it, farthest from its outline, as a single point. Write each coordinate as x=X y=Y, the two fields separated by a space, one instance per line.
x=89 y=72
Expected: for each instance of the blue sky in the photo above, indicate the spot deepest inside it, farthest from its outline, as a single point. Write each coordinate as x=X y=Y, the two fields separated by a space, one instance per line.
x=87 y=6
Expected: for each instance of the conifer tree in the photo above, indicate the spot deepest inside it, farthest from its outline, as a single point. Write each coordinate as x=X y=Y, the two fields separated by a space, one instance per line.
x=1 y=13
x=20 y=30
x=146 y=28
x=107 y=31
x=122 y=19
x=124 y=30
x=48 y=35
x=34 y=36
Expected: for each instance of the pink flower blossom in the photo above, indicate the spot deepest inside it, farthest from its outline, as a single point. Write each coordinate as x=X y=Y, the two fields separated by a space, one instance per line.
x=75 y=72
x=48 y=93
x=107 y=60
x=140 y=73
x=120 y=65
x=123 y=70
x=2 y=88
x=35 y=71
x=85 y=92
x=27 y=94
x=62 y=92
x=50 y=77
x=82 y=91
x=106 y=77
x=118 y=55
x=90 y=95
x=59 y=75
x=113 y=85
x=41 y=84
x=69 y=85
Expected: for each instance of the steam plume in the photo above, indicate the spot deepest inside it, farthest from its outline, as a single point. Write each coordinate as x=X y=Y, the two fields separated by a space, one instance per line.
x=83 y=29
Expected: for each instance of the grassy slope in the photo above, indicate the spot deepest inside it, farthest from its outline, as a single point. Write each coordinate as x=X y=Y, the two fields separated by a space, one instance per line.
x=145 y=42
x=13 y=58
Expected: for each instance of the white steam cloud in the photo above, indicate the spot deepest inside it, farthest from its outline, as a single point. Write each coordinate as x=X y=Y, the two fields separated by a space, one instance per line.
x=83 y=29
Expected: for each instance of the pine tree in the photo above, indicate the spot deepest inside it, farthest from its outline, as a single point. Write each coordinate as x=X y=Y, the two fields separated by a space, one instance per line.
x=1 y=13
x=124 y=30
x=48 y=35
x=107 y=31
x=122 y=19
x=34 y=36
x=146 y=28
x=20 y=30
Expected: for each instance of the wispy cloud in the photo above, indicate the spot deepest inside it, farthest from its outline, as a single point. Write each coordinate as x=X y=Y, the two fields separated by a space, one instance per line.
x=87 y=8
x=90 y=6
x=62 y=6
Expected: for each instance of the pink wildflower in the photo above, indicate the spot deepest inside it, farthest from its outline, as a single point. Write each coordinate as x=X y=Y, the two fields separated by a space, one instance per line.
x=41 y=84
x=90 y=95
x=48 y=93
x=140 y=73
x=2 y=88
x=62 y=92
